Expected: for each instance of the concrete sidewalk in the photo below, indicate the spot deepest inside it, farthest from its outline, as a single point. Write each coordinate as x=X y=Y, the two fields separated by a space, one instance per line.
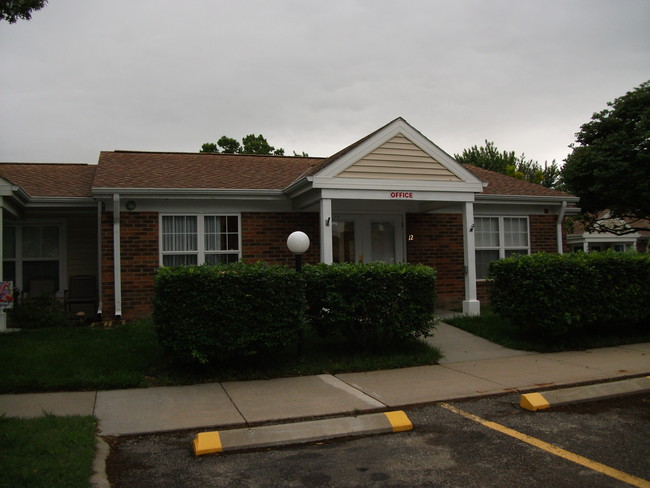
x=471 y=367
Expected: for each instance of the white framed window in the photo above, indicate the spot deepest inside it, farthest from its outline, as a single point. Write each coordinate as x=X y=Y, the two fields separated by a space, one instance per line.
x=199 y=239
x=497 y=238
x=33 y=257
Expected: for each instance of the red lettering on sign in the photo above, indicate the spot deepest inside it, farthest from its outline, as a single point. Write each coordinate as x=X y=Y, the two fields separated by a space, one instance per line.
x=401 y=194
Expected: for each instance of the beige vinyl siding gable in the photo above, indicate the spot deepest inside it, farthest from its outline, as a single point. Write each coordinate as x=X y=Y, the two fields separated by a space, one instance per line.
x=399 y=159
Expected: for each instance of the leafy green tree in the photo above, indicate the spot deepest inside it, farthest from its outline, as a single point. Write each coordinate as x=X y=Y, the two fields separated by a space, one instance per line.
x=209 y=147
x=487 y=157
x=258 y=145
x=507 y=163
x=251 y=144
x=12 y=10
x=229 y=145
x=609 y=166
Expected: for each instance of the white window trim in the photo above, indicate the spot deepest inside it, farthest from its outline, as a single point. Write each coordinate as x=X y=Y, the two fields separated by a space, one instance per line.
x=63 y=251
x=200 y=233
x=502 y=248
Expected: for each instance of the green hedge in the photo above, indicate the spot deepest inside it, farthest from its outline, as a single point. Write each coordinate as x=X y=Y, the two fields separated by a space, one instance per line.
x=373 y=305
x=558 y=294
x=217 y=313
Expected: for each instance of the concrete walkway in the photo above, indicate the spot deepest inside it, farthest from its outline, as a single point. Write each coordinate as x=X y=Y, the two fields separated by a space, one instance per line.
x=471 y=367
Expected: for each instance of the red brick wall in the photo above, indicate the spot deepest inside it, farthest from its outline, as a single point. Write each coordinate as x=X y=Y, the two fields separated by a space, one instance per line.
x=543 y=234
x=139 y=250
x=543 y=238
x=437 y=240
x=432 y=239
x=264 y=236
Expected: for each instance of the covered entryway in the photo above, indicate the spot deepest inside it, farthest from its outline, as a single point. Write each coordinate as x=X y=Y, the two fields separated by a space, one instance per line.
x=366 y=193
x=367 y=238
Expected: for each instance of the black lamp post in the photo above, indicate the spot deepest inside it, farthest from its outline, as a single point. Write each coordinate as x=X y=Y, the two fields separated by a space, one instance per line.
x=298 y=243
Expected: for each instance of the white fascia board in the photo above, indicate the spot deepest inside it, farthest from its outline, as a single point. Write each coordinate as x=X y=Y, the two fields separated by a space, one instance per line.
x=400 y=196
x=191 y=193
x=298 y=187
x=398 y=126
x=629 y=238
x=528 y=199
x=61 y=202
x=396 y=185
x=8 y=189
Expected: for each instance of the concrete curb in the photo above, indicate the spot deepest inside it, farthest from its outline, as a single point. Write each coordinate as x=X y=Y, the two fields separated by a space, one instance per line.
x=99 y=478
x=299 y=433
x=600 y=391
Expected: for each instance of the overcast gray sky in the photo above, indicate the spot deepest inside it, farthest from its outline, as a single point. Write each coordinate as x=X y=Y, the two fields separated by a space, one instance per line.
x=159 y=75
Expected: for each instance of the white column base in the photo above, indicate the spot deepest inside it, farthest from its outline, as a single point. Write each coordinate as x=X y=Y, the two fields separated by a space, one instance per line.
x=471 y=307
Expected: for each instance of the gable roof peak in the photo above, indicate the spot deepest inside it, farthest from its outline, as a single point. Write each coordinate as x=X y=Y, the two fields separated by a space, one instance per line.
x=388 y=134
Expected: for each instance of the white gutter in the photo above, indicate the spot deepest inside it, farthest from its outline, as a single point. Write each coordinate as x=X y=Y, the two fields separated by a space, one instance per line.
x=560 y=218
x=100 y=293
x=185 y=193
x=517 y=199
x=117 y=256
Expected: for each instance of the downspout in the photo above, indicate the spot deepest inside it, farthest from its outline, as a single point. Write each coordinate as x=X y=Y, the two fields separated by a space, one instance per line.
x=100 y=285
x=560 y=218
x=117 y=257
x=3 y=316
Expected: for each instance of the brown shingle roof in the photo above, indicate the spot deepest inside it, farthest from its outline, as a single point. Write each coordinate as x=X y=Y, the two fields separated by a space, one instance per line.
x=50 y=180
x=124 y=169
x=129 y=169
x=499 y=184
x=326 y=161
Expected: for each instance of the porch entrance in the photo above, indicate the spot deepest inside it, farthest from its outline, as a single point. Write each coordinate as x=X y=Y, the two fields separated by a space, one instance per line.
x=367 y=238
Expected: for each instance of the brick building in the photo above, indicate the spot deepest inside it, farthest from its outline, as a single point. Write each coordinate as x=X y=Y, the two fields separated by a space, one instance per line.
x=392 y=196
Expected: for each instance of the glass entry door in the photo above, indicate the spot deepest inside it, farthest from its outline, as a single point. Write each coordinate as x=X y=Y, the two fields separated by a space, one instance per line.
x=346 y=239
x=367 y=239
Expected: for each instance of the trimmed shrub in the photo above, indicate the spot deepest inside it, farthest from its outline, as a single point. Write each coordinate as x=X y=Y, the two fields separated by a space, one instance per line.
x=218 y=313
x=38 y=313
x=373 y=305
x=554 y=295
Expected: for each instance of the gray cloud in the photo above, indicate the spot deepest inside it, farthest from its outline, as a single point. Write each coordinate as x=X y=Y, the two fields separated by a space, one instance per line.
x=90 y=75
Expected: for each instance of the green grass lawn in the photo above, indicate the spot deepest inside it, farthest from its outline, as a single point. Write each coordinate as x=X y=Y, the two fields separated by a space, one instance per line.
x=495 y=329
x=78 y=358
x=48 y=452
x=84 y=358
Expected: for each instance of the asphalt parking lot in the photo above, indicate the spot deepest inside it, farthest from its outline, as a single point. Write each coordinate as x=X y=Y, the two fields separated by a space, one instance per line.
x=460 y=444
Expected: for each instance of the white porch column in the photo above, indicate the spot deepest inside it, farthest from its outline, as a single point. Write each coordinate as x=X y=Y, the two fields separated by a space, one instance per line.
x=3 y=317
x=471 y=305
x=117 y=256
x=560 y=218
x=326 y=253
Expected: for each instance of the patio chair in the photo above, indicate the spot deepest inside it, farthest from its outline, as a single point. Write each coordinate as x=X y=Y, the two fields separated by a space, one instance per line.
x=82 y=290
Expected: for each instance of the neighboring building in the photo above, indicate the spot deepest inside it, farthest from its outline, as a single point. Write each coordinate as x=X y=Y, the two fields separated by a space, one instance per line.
x=581 y=240
x=392 y=196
